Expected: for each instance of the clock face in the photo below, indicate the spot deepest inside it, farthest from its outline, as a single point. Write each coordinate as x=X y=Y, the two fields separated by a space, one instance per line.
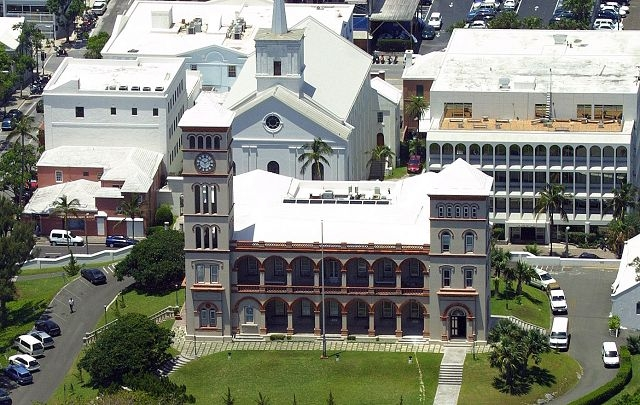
x=205 y=163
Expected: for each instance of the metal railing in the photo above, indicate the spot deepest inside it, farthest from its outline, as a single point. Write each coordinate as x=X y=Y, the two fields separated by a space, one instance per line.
x=160 y=316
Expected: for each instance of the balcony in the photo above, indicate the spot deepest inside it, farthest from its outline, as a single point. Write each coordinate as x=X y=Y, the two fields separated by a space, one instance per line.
x=540 y=124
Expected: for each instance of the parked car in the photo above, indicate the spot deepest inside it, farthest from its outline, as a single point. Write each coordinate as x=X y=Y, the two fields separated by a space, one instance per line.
x=510 y=5
x=588 y=255
x=8 y=124
x=477 y=24
x=435 y=20
x=40 y=106
x=94 y=276
x=49 y=326
x=414 y=165
x=557 y=301
x=480 y=14
x=63 y=237
x=542 y=279
x=44 y=338
x=428 y=32
x=119 y=241
x=99 y=7
x=28 y=362
x=15 y=113
x=561 y=14
x=5 y=399
x=18 y=374
x=610 y=355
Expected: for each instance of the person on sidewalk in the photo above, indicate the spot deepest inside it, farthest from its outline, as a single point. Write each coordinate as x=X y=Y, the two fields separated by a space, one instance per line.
x=71 y=303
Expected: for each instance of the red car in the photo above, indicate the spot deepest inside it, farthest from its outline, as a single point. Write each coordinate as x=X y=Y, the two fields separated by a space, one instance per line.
x=414 y=165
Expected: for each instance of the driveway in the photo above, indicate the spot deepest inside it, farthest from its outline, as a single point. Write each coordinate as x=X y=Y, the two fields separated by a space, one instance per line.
x=588 y=297
x=89 y=307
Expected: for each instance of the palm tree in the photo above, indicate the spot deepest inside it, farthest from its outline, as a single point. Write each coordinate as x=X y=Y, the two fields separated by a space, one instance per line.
x=499 y=260
x=523 y=272
x=131 y=209
x=624 y=198
x=550 y=201
x=315 y=157
x=619 y=231
x=416 y=107
x=379 y=157
x=415 y=144
x=65 y=207
x=24 y=128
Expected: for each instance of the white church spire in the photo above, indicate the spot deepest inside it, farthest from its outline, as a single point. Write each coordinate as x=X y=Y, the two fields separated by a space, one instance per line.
x=279 y=18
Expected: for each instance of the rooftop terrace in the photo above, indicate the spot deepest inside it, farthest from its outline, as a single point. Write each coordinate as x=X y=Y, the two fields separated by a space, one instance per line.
x=539 y=124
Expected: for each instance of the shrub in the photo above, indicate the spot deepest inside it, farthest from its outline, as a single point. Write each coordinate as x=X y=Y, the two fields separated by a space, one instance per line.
x=351 y=337
x=613 y=387
x=393 y=45
x=633 y=343
x=153 y=229
x=277 y=336
x=533 y=249
x=163 y=214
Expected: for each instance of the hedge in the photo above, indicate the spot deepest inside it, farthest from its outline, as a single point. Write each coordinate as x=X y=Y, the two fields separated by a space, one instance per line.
x=613 y=387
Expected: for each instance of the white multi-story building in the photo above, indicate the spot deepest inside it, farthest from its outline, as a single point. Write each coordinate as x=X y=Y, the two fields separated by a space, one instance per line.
x=534 y=107
x=101 y=102
x=215 y=37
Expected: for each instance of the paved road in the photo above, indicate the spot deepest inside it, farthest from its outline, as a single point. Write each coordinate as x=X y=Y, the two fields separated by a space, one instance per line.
x=588 y=296
x=45 y=250
x=89 y=308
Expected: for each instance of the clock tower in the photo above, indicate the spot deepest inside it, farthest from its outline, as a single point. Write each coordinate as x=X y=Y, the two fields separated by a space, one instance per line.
x=208 y=219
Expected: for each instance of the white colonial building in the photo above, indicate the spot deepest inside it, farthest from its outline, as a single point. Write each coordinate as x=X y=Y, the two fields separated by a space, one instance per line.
x=215 y=37
x=625 y=290
x=539 y=107
x=102 y=102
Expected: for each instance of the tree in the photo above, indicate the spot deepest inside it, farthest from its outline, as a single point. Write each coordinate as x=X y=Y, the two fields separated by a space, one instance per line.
x=506 y=20
x=262 y=399
x=624 y=198
x=621 y=230
x=95 y=45
x=228 y=399
x=567 y=24
x=581 y=9
x=499 y=260
x=330 y=400
x=130 y=208
x=156 y=263
x=24 y=128
x=16 y=243
x=13 y=180
x=318 y=149
x=416 y=107
x=523 y=272
x=550 y=201
x=29 y=45
x=532 y=23
x=72 y=268
x=162 y=388
x=133 y=345
x=65 y=207
x=163 y=214
x=415 y=145
x=380 y=155
x=74 y=9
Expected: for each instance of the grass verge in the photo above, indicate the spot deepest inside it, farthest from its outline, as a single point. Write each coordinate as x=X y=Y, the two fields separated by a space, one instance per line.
x=557 y=373
x=397 y=173
x=359 y=378
x=634 y=384
x=532 y=306
x=132 y=300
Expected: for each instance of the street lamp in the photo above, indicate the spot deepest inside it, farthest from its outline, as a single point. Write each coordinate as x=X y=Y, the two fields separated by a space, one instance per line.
x=105 y=314
x=86 y=235
x=566 y=241
x=177 y=305
x=587 y=230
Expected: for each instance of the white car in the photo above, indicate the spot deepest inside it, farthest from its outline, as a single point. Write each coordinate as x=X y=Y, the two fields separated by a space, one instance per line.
x=557 y=301
x=44 y=338
x=435 y=20
x=610 y=355
x=509 y=5
x=29 y=362
x=99 y=7
x=624 y=9
x=542 y=279
x=613 y=8
x=477 y=24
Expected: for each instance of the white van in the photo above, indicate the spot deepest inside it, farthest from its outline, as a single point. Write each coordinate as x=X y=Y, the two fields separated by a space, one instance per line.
x=29 y=345
x=559 y=337
x=62 y=237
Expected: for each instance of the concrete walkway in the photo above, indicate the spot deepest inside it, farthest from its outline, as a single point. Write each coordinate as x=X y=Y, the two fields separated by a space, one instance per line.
x=448 y=391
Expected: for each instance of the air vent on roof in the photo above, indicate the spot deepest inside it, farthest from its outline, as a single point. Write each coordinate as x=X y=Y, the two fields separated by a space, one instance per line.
x=159 y=88
x=112 y=87
x=135 y=88
x=123 y=88
x=132 y=51
x=145 y=88
x=560 y=39
x=504 y=82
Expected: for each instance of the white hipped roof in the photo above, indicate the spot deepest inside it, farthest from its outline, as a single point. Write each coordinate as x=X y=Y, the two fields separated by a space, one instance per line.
x=386 y=90
x=44 y=199
x=626 y=278
x=207 y=112
x=262 y=215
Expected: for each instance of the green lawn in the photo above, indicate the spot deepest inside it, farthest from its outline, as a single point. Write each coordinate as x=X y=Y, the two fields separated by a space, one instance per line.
x=477 y=387
x=358 y=378
x=141 y=303
x=533 y=306
x=33 y=298
x=397 y=173
x=634 y=384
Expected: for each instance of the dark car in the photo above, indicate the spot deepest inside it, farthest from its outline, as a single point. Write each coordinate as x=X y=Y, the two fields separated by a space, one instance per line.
x=8 y=124
x=609 y=15
x=15 y=113
x=49 y=326
x=480 y=14
x=414 y=165
x=428 y=32
x=119 y=241
x=588 y=255
x=94 y=276
x=18 y=374
x=5 y=399
x=561 y=14
x=4 y=145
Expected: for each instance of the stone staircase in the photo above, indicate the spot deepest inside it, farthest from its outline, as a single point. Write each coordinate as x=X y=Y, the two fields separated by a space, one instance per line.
x=413 y=339
x=248 y=337
x=173 y=364
x=518 y=322
x=450 y=374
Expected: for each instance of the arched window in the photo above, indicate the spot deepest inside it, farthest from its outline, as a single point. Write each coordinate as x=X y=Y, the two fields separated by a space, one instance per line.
x=196 y=199
x=445 y=242
x=379 y=139
x=198 y=232
x=192 y=142
x=216 y=142
x=214 y=238
x=469 y=239
x=273 y=167
x=200 y=142
x=205 y=237
x=314 y=171
x=207 y=142
x=208 y=318
x=205 y=199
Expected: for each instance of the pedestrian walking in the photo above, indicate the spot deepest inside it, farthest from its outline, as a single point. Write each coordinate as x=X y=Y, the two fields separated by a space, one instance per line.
x=71 y=303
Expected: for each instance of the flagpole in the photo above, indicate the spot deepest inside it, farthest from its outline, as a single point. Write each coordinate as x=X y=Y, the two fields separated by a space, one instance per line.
x=324 y=314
